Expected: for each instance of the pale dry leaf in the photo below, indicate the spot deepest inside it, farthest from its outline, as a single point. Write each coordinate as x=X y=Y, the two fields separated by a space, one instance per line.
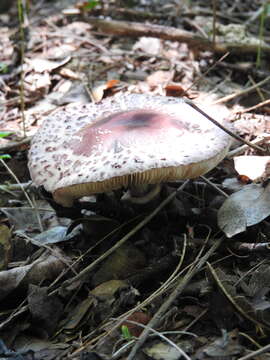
x=255 y=167
x=149 y=45
x=246 y=207
x=159 y=78
x=42 y=65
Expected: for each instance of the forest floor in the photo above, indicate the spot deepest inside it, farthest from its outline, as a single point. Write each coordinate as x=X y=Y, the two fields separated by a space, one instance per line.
x=187 y=276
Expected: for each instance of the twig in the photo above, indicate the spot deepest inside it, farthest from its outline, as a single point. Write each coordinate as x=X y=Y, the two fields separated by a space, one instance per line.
x=135 y=29
x=15 y=187
x=241 y=92
x=205 y=73
x=255 y=353
x=241 y=149
x=262 y=103
x=241 y=311
x=232 y=134
x=214 y=186
x=125 y=238
x=17 y=180
x=150 y=329
x=178 y=290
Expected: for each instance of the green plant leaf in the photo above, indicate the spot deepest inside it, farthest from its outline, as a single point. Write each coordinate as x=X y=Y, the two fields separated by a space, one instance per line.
x=125 y=332
x=4 y=134
x=3 y=68
x=91 y=4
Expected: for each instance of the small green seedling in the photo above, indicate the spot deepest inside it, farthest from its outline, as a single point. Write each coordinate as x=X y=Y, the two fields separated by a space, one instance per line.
x=2 y=135
x=90 y=4
x=3 y=68
x=125 y=333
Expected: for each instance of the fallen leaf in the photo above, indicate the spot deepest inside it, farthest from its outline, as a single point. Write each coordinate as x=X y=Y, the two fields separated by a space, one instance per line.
x=164 y=351
x=246 y=207
x=138 y=317
x=42 y=65
x=107 y=289
x=224 y=347
x=149 y=45
x=5 y=246
x=174 y=90
x=160 y=78
x=124 y=262
x=255 y=167
x=98 y=92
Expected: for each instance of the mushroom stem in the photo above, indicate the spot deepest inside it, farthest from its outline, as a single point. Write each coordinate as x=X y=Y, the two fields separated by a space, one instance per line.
x=141 y=194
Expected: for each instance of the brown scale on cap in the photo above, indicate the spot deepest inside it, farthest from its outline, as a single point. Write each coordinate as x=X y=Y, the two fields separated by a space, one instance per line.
x=125 y=140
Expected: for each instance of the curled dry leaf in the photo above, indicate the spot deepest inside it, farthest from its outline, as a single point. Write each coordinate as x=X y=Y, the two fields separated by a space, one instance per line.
x=246 y=207
x=97 y=93
x=163 y=351
x=43 y=65
x=47 y=267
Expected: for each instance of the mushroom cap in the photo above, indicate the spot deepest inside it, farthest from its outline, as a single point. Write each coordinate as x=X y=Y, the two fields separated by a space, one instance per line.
x=128 y=139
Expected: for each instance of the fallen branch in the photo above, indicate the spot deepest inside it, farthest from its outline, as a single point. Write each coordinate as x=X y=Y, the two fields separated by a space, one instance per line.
x=135 y=29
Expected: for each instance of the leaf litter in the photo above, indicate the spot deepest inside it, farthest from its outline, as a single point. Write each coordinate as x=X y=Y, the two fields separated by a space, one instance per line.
x=51 y=306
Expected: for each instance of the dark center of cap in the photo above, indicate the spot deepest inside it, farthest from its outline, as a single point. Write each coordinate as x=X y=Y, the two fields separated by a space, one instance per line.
x=139 y=123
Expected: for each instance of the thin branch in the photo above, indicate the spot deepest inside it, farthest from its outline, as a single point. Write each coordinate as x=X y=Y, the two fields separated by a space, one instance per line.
x=125 y=238
x=232 y=134
x=241 y=92
x=135 y=29
x=178 y=290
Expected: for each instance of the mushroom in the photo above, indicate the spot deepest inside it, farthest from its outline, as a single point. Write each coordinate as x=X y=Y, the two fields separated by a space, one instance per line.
x=129 y=140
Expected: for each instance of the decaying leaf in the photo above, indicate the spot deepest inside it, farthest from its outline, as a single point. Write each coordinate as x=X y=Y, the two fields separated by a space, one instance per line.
x=97 y=93
x=246 y=207
x=45 y=310
x=79 y=314
x=164 y=351
x=5 y=246
x=226 y=346
x=107 y=289
x=47 y=267
x=125 y=261
x=22 y=218
x=134 y=322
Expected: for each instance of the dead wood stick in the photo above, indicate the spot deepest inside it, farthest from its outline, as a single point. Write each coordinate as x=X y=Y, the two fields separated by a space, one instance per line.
x=241 y=92
x=135 y=29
